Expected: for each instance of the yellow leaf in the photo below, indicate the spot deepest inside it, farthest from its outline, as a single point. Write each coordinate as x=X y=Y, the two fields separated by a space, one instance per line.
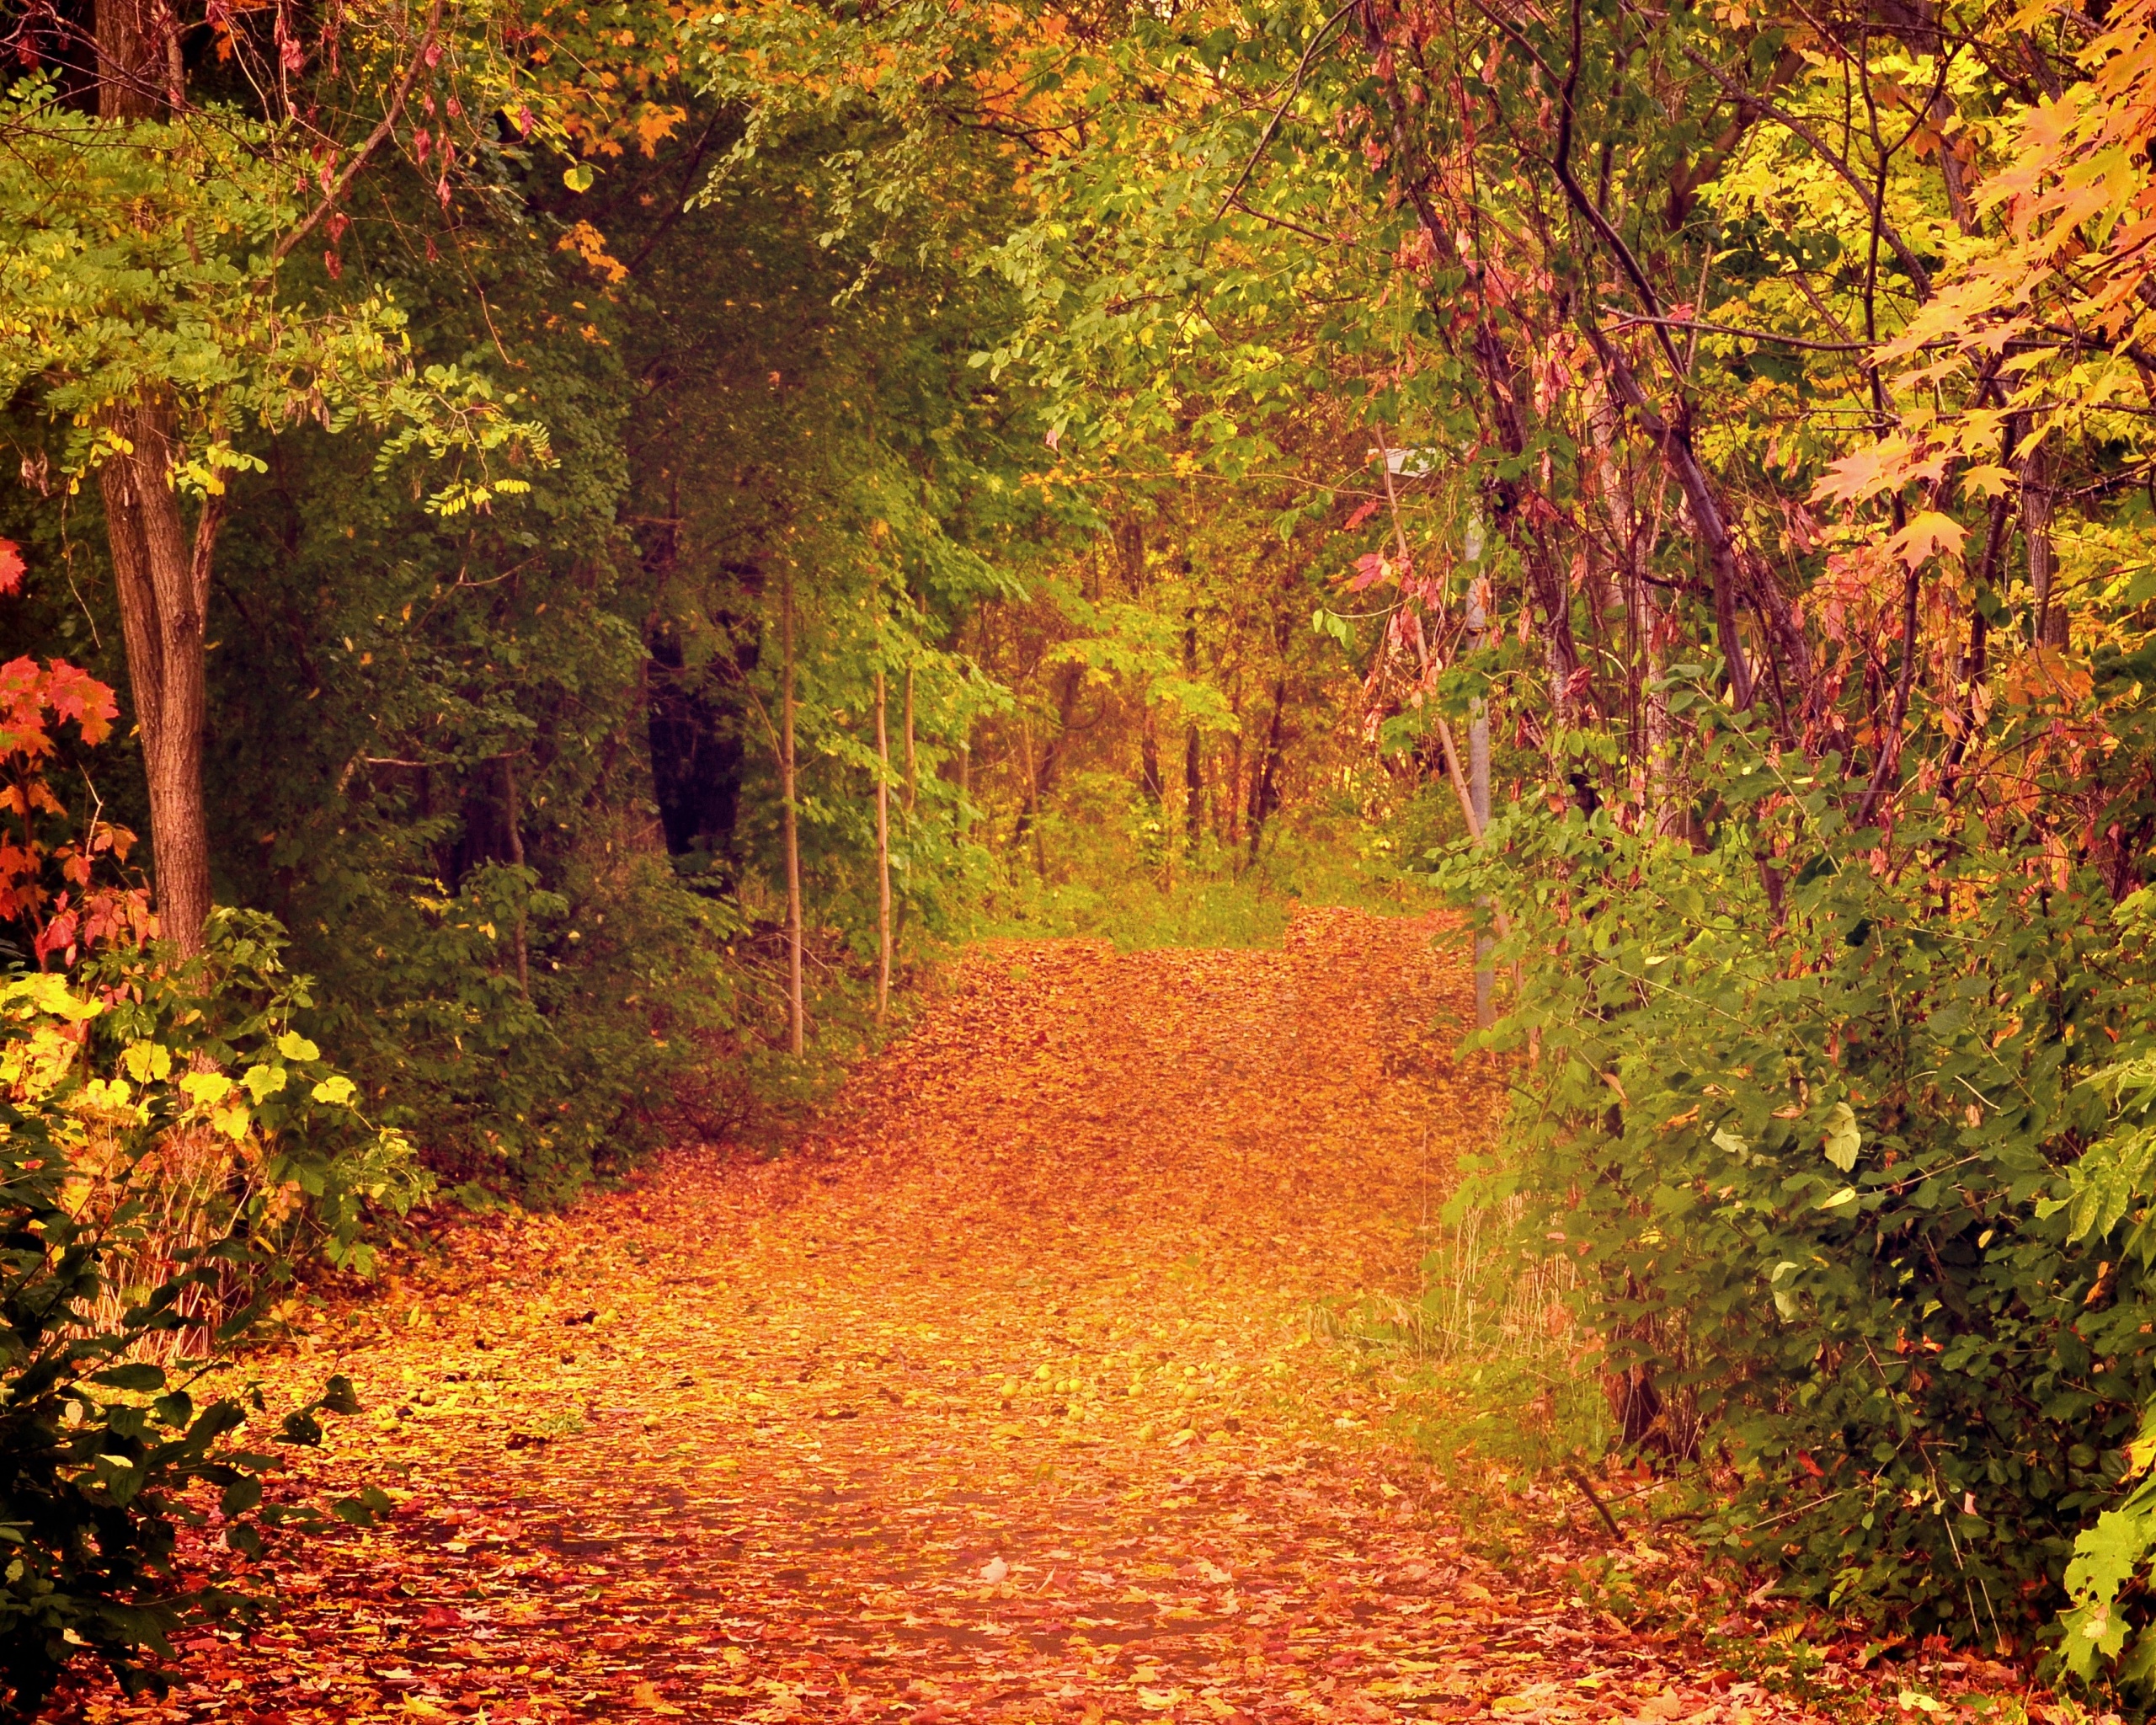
x=204 y=1089
x=1928 y=535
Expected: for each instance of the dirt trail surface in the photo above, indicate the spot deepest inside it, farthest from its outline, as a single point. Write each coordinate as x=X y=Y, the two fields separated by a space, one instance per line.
x=1000 y=1401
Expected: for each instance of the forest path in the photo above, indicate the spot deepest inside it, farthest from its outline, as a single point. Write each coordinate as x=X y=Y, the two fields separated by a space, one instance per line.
x=1000 y=1402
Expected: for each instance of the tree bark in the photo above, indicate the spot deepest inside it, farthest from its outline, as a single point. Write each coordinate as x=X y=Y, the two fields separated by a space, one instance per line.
x=882 y=858
x=513 y=811
x=2037 y=535
x=1043 y=777
x=796 y=1010
x=907 y=721
x=1264 y=790
x=1193 y=760
x=138 y=67
x=161 y=571
x=164 y=585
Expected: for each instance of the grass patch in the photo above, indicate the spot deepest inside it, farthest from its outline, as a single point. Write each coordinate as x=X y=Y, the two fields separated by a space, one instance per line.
x=1100 y=866
x=1488 y=1360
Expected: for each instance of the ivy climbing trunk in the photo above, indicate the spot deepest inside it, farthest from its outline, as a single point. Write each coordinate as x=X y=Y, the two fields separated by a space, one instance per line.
x=160 y=569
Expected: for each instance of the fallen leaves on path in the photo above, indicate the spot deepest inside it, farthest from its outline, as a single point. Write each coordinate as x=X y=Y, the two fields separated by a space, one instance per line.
x=1000 y=1401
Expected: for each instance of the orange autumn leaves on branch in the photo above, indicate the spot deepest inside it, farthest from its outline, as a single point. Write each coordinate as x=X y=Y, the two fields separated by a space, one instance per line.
x=35 y=843
x=2046 y=325
x=2078 y=204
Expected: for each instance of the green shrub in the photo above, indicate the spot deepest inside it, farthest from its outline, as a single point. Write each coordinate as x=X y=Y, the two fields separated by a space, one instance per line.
x=1804 y=1104
x=525 y=1078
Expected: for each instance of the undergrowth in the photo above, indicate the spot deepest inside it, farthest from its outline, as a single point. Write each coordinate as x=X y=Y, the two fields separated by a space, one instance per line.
x=1490 y=1359
x=1104 y=863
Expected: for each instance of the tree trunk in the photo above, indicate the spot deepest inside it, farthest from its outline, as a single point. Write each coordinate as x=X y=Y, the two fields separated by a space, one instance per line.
x=882 y=858
x=795 y=1013
x=1149 y=765
x=1193 y=762
x=1042 y=777
x=163 y=581
x=912 y=775
x=163 y=586
x=513 y=810
x=2037 y=534
x=139 y=71
x=1194 y=787
x=1478 y=789
x=1264 y=790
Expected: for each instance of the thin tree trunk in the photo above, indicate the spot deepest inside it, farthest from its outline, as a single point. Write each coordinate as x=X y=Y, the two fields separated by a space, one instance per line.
x=1233 y=804
x=1478 y=792
x=882 y=858
x=2037 y=535
x=1264 y=791
x=1148 y=763
x=1193 y=760
x=514 y=810
x=796 y=1011
x=1029 y=808
x=1194 y=787
x=1043 y=777
x=912 y=776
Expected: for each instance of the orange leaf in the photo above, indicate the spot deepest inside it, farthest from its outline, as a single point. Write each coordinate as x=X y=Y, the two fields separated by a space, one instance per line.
x=1928 y=535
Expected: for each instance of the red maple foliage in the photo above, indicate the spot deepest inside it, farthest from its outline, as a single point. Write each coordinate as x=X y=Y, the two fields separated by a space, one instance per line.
x=48 y=869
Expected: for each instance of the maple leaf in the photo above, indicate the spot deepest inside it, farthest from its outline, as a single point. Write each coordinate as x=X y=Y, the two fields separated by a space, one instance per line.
x=76 y=694
x=1877 y=469
x=1929 y=534
x=11 y=567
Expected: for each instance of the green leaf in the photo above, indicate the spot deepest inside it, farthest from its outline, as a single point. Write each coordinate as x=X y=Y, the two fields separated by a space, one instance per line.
x=1843 y=1139
x=138 y=1375
x=300 y=1426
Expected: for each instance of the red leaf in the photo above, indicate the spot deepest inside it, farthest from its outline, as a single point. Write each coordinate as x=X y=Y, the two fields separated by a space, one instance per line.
x=1371 y=568
x=11 y=567
x=74 y=693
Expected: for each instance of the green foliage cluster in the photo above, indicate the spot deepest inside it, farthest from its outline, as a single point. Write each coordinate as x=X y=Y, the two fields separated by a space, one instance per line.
x=1809 y=1106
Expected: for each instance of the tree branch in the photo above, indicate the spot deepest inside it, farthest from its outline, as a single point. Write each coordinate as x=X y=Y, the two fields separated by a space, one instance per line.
x=1826 y=152
x=369 y=144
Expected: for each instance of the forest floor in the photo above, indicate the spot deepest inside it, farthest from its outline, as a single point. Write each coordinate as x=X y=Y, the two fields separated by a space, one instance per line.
x=1000 y=1400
